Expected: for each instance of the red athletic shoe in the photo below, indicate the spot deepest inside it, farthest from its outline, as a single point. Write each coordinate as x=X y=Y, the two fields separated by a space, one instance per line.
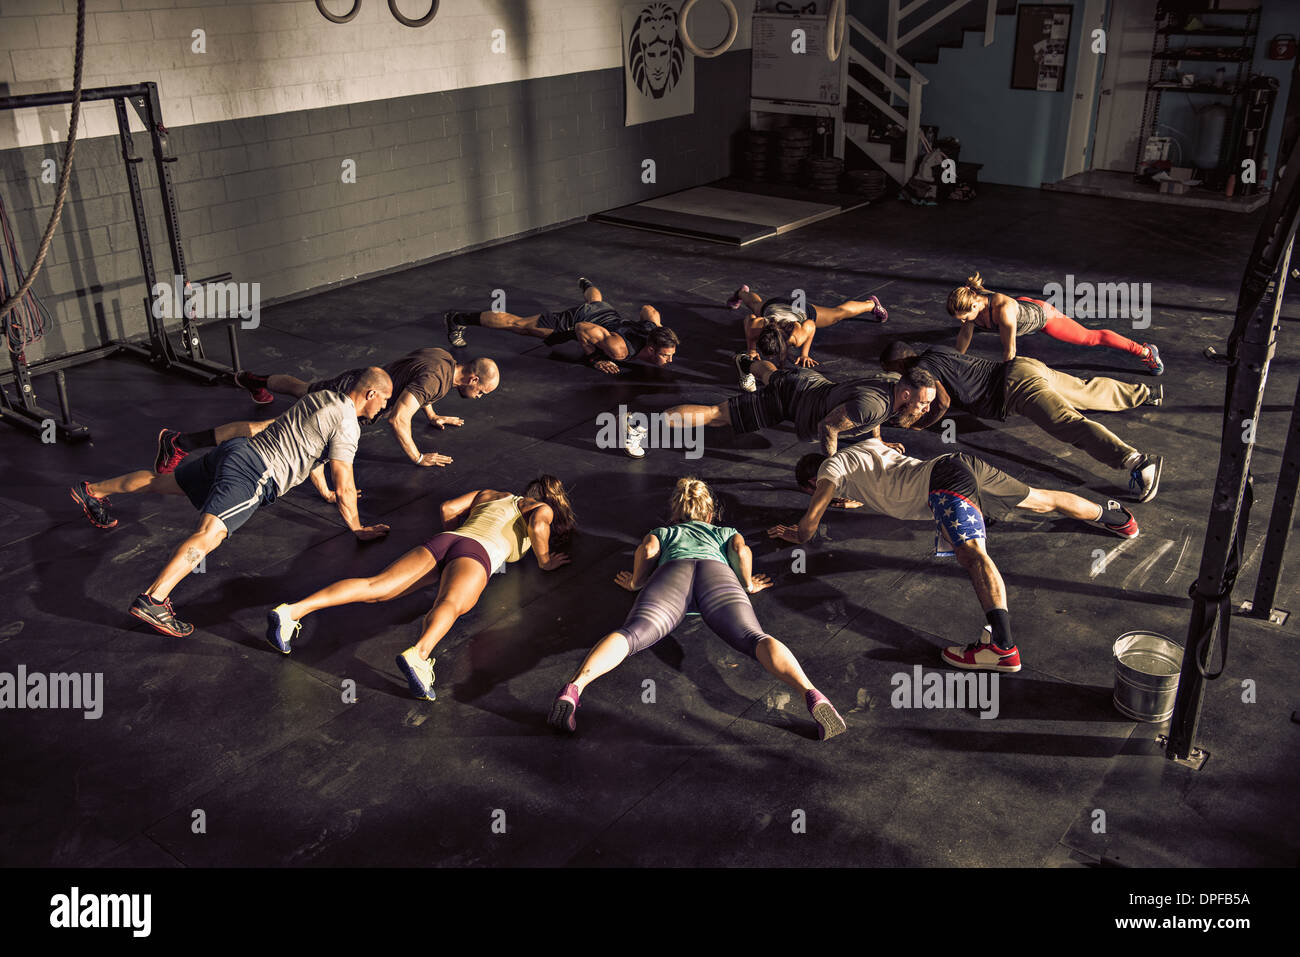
x=983 y=655
x=169 y=453
x=1128 y=530
x=261 y=394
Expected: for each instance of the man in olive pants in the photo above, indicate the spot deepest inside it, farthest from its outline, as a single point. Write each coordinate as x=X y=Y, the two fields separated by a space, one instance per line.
x=1048 y=398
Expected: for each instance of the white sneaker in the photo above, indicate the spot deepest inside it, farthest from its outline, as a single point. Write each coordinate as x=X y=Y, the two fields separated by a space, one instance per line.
x=418 y=673
x=747 y=381
x=632 y=446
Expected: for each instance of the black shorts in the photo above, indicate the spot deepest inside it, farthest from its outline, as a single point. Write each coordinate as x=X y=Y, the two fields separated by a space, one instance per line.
x=772 y=404
x=809 y=310
x=567 y=320
x=230 y=482
x=344 y=382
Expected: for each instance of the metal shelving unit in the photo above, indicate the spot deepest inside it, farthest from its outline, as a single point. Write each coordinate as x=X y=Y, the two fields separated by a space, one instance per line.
x=1171 y=50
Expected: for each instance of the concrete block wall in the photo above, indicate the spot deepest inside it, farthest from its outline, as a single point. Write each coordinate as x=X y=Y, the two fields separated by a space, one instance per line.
x=263 y=197
x=453 y=146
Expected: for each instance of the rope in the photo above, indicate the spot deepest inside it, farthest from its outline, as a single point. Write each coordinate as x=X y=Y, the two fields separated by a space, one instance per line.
x=64 y=177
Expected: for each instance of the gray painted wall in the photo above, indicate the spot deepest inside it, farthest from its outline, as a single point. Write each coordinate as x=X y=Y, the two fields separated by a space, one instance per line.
x=262 y=197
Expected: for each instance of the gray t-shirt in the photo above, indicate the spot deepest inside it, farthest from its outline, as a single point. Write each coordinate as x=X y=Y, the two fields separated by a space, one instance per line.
x=319 y=425
x=882 y=479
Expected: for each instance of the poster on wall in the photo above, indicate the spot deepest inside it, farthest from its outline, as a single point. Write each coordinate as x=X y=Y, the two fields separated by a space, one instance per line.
x=1042 y=40
x=658 y=72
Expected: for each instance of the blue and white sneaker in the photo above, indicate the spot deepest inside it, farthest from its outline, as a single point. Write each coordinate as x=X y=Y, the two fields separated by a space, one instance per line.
x=1144 y=479
x=281 y=630
x=1152 y=359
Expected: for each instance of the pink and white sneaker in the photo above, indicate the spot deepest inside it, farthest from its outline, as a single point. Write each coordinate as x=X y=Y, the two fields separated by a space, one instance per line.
x=564 y=712
x=983 y=655
x=735 y=300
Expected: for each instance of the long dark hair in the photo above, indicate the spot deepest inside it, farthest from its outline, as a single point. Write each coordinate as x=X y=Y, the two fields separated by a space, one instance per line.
x=549 y=489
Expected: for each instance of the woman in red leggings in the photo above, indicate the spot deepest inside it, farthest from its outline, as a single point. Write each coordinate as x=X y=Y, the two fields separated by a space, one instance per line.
x=977 y=308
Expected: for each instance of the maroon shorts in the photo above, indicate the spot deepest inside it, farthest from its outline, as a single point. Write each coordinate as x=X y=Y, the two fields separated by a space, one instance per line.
x=447 y=547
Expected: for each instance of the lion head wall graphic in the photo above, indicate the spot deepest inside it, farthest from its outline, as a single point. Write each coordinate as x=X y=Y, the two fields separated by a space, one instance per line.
x=655 y=52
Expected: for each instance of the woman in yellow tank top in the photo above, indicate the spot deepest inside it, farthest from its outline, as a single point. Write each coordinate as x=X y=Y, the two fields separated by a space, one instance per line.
x=485 y=530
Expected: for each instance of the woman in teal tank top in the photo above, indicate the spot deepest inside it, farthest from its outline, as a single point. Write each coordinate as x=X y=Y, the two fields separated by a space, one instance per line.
x=693 y=566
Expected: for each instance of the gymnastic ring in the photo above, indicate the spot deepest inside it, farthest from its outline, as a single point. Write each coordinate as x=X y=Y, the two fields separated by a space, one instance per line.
x=722 y=47
x=407 y=21
x=332 y=18
x=836 y=17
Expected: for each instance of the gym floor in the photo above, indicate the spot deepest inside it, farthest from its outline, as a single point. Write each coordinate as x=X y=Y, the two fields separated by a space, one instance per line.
x=715 y=769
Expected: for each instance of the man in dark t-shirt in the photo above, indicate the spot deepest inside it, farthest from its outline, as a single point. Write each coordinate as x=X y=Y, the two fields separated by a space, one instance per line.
x=606 y=337
x=420 y=378
x=1050 y=399
x=819 y=408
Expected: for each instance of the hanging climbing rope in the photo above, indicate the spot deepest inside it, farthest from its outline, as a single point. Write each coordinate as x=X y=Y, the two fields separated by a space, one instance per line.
x=64 y=174
x=722 y=47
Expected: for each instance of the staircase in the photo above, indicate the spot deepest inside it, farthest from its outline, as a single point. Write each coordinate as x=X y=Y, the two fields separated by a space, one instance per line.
x=885 y=87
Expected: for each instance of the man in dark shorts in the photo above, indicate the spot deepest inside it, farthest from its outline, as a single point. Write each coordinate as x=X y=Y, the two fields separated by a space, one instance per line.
x=819 y=408
x=420 y=379
x=233 y=480
x=1049 y=399
x=605 y=336
x=955 y=491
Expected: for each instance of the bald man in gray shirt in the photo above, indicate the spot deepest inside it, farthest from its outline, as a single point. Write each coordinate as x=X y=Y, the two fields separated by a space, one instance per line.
x=230 y=482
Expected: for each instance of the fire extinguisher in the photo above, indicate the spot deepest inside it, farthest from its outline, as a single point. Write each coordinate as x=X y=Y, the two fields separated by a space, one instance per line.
x=1282 y=47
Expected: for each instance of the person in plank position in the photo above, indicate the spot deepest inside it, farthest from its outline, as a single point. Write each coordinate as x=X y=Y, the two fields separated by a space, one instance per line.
x=607 y=339
x=819 y=408
x=976 y=308
x=796 y=327
x=1051 y=400
x=230 y=482
x=420 y=378
x=954 y=491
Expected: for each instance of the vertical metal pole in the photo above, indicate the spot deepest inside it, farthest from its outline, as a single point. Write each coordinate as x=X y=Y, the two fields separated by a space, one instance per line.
x=1279 y=523
x=234 y=348
x=162 y=350
x=61 y=384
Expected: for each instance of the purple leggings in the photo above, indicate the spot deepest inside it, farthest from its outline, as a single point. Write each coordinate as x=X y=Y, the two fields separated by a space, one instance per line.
x=693 y=584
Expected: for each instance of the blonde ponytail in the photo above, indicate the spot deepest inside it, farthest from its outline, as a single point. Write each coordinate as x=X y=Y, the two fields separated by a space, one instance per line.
x=691 y=502
x=962 y=299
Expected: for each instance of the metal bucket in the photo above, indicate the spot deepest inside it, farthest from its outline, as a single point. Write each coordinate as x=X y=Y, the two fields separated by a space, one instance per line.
x=1147 y=666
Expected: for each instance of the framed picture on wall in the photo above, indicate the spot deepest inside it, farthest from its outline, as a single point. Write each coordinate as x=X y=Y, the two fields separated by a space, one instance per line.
x=1042 y=45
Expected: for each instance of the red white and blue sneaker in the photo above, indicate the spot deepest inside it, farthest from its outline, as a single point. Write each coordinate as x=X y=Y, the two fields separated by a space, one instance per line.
x=1128 y=530
x=564 y=712
x=1144 y=478
x=735 y=300
x=170 y=453
x=1152 y=359
x=829 y=722
x=983 y=655
x=95 y=506
x=256 y=387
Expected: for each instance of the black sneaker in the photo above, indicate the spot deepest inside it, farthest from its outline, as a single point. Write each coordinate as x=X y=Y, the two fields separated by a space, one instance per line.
x=584 y=284
x=161 y=616
x=95 y=507
x=1157 y=396
x=455 y=333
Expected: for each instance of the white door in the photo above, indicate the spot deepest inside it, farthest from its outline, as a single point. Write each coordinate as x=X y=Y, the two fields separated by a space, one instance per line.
x=1083 y=105
x=1124 y=84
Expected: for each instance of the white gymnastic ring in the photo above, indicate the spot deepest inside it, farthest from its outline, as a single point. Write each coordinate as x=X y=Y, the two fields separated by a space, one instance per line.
x=836 y=16
x=721 y=48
